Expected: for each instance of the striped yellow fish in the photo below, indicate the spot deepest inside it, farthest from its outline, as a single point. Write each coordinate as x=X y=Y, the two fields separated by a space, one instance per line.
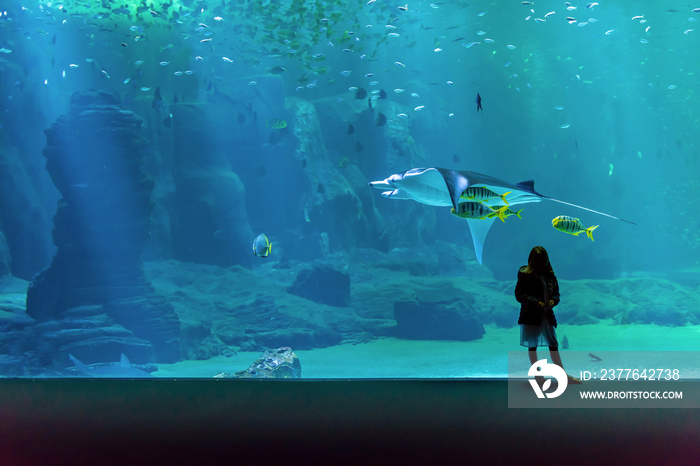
x=276 y=123
x=481 y=194
x=508 y=212
x=476 y=211
x=572 y=226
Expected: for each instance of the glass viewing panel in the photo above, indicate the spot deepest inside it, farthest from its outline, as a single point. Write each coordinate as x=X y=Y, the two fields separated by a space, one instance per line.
x=344 y=189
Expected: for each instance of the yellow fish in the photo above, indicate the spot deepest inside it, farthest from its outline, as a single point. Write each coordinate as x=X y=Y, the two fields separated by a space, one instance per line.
x=572 y=226
x=500 y=212
x=481 y=194
x=476 y=211
x=276 y=123
x=508 y=212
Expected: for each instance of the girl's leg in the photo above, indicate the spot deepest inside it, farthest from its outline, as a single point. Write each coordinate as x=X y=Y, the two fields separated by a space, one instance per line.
x=532 y=353
x=556 y=359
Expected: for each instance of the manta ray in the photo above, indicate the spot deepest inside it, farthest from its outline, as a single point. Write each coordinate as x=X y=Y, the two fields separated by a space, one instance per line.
x=443 y=187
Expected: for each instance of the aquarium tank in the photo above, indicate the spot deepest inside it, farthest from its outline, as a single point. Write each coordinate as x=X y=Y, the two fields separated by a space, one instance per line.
x=341 y=189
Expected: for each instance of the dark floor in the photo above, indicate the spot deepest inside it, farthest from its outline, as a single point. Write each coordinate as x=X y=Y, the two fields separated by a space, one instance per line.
x=323 y=422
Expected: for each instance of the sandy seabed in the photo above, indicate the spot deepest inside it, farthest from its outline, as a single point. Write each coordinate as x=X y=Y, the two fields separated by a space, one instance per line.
x=483 y=358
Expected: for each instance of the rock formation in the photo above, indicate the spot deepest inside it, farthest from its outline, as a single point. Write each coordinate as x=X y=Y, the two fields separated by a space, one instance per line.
x=208 y=220
x=280 y=363
x=5 y=257
x=95 y=156
x=323 y=284
x=434 y=315
x=332 y=204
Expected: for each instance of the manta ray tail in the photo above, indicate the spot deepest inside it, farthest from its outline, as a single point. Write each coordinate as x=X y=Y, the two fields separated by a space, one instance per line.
x=590 y=210
x=530 y=186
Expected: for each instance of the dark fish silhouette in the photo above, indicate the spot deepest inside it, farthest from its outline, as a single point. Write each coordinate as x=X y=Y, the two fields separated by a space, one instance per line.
x=123 y=369
x=351 y=129
x=359 y=147
x=478 y=102
x=360 y=93
x=381 y=119
x=369 y=102
x=382 y=94
x=157 y=102
x=594 y=357
x=565 y=343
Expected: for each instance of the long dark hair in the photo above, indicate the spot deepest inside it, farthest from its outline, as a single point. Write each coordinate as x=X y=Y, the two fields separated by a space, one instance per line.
x=538 y=262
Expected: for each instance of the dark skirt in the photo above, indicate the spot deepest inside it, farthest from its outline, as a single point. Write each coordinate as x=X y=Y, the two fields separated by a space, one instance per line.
x=532 y=336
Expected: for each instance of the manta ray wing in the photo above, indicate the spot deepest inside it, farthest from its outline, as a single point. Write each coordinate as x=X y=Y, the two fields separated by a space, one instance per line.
x=456 y=183
x=520 y=193
x=424 y=185
x=479 y=228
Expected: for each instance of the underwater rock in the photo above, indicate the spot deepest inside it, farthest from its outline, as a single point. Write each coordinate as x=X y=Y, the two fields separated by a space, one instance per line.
x=27 y=204
x=5 y=257
x=280 y=363
x=17 y=336
x=225 y=310
x=142 y=315
x=92 y=336
x=323 y=284
x=208 y=221
x=435 y=320
x=402 y=148
x=332 y=203
x=95 y=156
x=301 y=338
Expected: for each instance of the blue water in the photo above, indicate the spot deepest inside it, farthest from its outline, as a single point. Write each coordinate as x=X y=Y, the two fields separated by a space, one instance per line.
x=252 y=124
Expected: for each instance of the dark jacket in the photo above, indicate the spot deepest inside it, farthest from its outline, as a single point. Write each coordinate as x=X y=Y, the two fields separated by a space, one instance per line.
x=529 y=291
